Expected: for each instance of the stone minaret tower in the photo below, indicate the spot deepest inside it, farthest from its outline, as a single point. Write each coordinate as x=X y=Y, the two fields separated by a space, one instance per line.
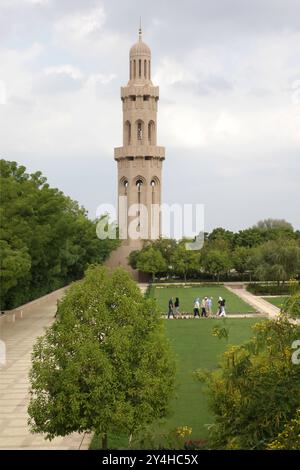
x=139 y=160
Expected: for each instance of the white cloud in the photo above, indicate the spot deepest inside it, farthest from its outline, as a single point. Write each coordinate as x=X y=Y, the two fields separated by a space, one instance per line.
x=228 y=103
x=16 y=3
x=16 y=71
x=68 y=70
x=226 y=127
x=3 y=95
x=182 y=126
x=171 y=72
x=101 y=78
x=79 y=25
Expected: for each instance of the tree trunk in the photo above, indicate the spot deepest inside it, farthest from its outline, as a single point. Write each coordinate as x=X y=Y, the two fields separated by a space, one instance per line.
x=153 y=277
x=184 y=277
x=104 y=441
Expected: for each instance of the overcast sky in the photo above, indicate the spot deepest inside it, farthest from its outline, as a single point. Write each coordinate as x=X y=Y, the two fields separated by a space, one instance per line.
x=229 y=109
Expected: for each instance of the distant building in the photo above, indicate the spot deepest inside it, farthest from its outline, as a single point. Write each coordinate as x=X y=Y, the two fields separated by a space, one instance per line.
x=139 y=160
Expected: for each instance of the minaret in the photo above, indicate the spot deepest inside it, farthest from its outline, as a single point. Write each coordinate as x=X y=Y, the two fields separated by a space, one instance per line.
x=139 y=160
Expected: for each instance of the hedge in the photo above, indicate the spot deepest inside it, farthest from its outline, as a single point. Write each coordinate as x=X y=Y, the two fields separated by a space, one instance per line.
x=269 y=289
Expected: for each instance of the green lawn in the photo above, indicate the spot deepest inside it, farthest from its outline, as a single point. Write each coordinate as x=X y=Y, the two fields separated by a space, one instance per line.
x=277 y=301
x=194 y=348
x=187 y=295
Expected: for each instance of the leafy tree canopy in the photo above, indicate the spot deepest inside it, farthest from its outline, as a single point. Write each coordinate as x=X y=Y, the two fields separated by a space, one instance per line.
x=255 y=394
x=105 y=364
x=47 y=240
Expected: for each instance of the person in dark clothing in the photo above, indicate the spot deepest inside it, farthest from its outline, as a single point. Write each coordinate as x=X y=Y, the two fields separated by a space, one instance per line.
x=221 y=304
x=171 y=308
x=176 y=305
x=196 y=308
x=203 y=307
x=222 y=307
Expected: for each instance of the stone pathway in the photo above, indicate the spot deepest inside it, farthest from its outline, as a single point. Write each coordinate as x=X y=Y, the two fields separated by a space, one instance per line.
x=258 y=303
x=18 y=332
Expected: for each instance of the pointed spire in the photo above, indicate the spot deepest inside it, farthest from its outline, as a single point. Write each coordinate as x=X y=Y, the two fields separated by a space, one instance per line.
x=140 y=30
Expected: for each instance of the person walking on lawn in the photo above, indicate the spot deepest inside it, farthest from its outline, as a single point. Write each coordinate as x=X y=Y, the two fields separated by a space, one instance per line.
x=203 y=307
x=209 y=306
x=196 y=308
x=176 y=305
x=222 y=307
x=171 y=308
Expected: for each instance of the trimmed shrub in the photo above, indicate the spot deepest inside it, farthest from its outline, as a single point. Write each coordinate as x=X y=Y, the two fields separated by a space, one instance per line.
x=269 y=289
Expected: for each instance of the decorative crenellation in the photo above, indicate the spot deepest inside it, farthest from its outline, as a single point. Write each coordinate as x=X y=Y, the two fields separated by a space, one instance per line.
x=131 y=152
x=146 y=90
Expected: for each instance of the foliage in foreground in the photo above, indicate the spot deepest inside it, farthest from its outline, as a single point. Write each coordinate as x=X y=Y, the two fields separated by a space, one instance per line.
x=104 y=365
x=289 y=438
x=46 y=239
x=256 y=394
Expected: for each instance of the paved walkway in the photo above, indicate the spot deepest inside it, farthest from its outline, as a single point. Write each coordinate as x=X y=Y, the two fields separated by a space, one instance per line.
x=19 y=331
x=259 y=304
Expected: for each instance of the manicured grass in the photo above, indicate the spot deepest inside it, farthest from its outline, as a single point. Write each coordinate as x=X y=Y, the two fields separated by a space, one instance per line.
x=187 y=295
x=194 y=348
x=277 y=301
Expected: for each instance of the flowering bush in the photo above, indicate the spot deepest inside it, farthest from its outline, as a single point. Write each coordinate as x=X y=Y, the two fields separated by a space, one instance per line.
x=184 y=431
x=289 y=438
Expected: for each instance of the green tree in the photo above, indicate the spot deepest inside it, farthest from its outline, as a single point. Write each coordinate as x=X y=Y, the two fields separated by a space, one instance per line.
x=256 y=392
x=150 y=260
x=274 y=224
x=216 y=262
x=278 y=260
x=249 y=237
x=15 y=267
x=47 y=239
x=244 y=259
x=166 y=246
x=133 y=259
x=221 y=234
x=104 y=365
x=184 y=261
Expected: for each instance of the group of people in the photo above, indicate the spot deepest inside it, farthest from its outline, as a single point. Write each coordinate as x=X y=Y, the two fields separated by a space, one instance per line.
x=205 y=305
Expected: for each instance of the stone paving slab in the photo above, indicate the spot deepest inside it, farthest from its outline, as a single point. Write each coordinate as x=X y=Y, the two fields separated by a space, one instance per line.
x=261 y=306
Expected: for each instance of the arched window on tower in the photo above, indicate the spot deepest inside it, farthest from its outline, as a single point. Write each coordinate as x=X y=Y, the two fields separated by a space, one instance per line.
x=139 y=184
x=127 y=132
x=134 y=69
x=140 y=68
x=140 y=131
x=124 y=186
x=145 y=69
x=151 y=133
x=149 y=69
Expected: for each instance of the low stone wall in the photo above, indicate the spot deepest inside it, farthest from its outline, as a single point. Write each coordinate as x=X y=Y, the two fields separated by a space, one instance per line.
x=19 y=312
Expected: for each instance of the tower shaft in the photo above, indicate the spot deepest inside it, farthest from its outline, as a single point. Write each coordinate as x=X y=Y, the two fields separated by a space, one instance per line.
x=139 y=160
